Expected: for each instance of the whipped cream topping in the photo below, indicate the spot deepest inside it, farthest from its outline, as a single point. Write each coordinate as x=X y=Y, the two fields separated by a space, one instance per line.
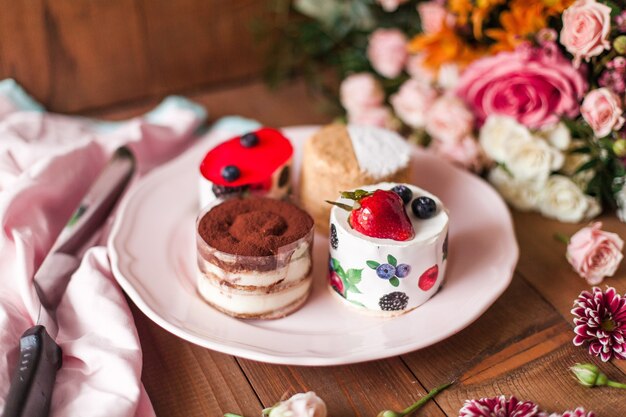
x=379 y=152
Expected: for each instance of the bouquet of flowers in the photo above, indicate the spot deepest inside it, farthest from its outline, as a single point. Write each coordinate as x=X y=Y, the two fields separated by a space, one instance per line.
x=528 y=92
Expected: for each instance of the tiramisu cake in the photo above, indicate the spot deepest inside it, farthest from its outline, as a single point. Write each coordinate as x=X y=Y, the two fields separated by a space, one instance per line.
x=254 y=257
x=388 y=247
x=340 y=157
x=257 y=163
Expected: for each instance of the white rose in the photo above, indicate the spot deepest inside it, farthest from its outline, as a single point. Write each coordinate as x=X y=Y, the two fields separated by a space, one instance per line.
x=558 y=136
x=563 y=200
x=532 y=160
x=300 y=405
x=522 y=196
x=498 y=133
x=448 y=76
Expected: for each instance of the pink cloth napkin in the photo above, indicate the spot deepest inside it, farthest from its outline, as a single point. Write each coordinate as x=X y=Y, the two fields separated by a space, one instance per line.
x=47 y=162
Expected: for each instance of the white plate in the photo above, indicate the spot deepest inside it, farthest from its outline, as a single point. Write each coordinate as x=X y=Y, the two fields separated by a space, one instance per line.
x=152 y=249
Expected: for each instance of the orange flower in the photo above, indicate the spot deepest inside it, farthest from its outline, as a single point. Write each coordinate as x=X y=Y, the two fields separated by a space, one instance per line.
x=522 y=20
x=444 y=47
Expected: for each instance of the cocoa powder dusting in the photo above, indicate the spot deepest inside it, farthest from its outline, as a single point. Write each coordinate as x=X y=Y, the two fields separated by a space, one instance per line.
x=253 y=226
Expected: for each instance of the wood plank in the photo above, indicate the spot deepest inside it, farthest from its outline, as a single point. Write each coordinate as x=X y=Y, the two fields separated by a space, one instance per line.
x=184 y=380
x=520 y=347
x=192 y=43
x=353 y=390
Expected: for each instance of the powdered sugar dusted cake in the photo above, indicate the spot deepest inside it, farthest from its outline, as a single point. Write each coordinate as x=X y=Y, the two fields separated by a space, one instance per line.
x=388 y=253
x=340 y=157
x=255 y=163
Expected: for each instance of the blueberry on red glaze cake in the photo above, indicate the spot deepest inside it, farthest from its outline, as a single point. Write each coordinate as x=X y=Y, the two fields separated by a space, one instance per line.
x=249 y=140
x=404 y=192
x=424 y=207
x=393 y=301
x=230 y=173
x=334 y=240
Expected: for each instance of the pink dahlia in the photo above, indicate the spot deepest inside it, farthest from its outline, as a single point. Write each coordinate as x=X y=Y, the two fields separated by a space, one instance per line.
x=500 y=407
x=579 y=412
x=600 y=320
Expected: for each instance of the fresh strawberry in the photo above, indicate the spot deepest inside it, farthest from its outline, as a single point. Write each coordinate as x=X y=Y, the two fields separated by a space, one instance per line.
x=379 y=214
x=428 y=278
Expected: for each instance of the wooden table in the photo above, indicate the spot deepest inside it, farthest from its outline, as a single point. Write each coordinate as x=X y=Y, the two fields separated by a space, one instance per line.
x=522 y=345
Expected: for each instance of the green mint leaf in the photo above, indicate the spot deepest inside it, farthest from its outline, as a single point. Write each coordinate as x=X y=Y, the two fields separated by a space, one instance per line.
x=392 y=261
x=372 y=264
x=340 y=205
x=354 y=275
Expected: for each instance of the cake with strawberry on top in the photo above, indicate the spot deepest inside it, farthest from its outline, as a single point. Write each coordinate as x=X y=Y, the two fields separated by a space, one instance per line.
x=388 y=247
x=257 y=163
x=342 y=157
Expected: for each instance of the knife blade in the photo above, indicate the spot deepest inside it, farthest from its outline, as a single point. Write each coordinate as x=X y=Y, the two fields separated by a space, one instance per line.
x=39 y=355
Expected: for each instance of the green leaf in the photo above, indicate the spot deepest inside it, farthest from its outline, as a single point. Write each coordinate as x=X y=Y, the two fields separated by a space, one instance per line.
x=372 y=264
x=340 y=205
x=586 y=166
x=393 y=261
x=394 y=281
x=353 y=288
x=335 y=263
x=356 y=303
x=355 y=195
x=354 y=276
x=339 y=270
x=581 y=150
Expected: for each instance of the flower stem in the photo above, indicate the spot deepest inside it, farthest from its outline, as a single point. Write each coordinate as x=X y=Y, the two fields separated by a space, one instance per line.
x=561 y=238
x=616 y=384
x=415 y=406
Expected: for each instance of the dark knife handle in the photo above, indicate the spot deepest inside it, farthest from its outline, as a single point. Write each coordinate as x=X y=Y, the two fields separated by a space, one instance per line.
x=33 y=381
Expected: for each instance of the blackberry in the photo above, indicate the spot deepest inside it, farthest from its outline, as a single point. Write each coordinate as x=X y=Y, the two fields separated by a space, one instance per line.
x=230 y=173
x=249 y=140
x=224 y=190
x=393 y=301
x=334 y=240
x=404 y=192
x=424 y=207
x=283 y=179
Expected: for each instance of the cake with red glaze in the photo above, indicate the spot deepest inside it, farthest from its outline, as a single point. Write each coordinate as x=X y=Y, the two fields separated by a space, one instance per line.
x=254 y=257
x=255 y=163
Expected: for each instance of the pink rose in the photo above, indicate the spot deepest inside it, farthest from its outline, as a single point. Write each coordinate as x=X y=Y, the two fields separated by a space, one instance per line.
x=387 y=51
x=433 y=16
x=602 y=109
x=372 y=116
x=360 y=91
x=586 y=27
x=466 y=153
x=536 y=86
x=448 y=119
x=412 y=101
x=594 y=253
x=391 y=5
x=416 y=69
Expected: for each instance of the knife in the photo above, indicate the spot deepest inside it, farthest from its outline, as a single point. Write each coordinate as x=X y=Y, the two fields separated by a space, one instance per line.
x=40 y=357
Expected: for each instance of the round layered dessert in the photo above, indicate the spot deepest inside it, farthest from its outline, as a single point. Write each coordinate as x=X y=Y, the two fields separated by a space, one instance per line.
x=388 y=248
x=257 y=163
x=340 y=157
x=254 y=257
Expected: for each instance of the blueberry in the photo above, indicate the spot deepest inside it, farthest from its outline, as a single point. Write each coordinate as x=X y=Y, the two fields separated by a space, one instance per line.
x=386 y=271
x=230 y=173
x=404 y=192
x=403 y=270
x=249 y=140
x=424 y=207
